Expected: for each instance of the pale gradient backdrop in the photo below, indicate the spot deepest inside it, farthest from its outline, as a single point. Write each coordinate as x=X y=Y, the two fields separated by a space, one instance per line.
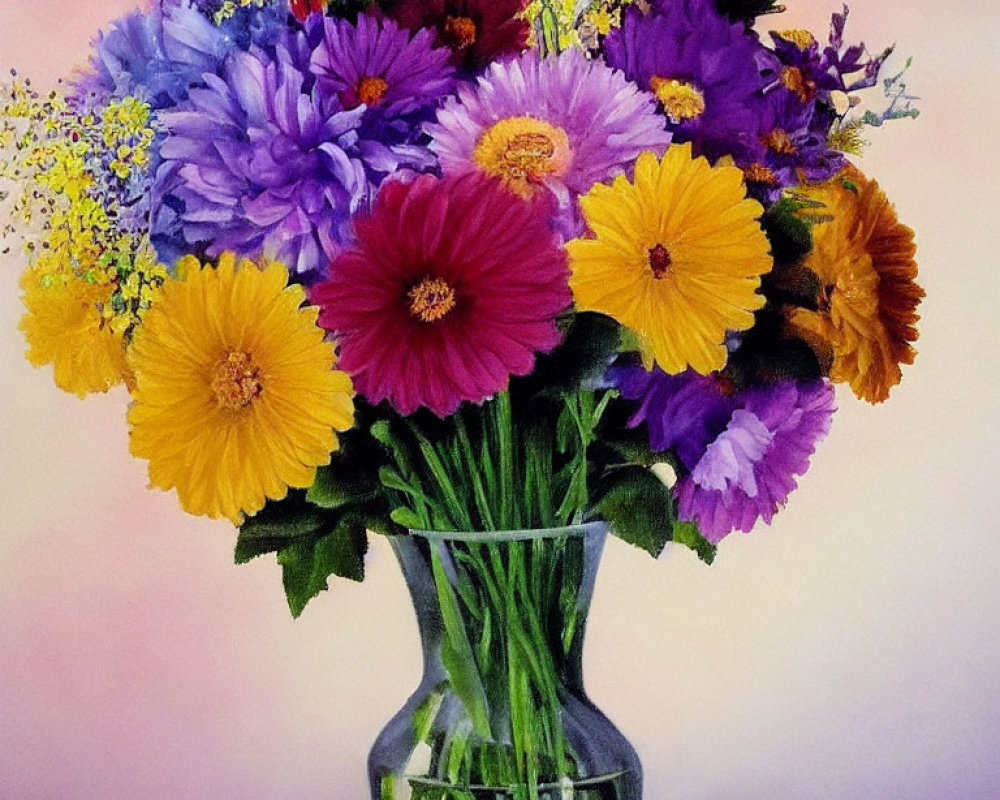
x=848 y=651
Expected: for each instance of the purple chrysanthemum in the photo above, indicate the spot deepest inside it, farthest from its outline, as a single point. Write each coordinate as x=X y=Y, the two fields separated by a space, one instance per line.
x=375 y=62
x=708 y=73
x=738 y=451
x=564 y=123
x=258 y=165
x=160 y=54
x=682 y=412
x=748 y=470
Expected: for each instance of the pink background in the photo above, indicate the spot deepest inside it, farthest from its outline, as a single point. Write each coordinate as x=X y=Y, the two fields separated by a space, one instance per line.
x=849 y=651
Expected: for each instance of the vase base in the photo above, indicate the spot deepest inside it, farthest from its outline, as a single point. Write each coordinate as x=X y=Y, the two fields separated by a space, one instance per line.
x=613 y=786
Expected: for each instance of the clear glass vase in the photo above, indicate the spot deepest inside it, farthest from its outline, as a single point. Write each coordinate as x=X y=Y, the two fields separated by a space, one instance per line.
x=501 y=712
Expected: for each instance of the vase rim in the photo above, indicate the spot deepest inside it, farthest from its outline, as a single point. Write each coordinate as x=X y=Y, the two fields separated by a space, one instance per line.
x=583 y=529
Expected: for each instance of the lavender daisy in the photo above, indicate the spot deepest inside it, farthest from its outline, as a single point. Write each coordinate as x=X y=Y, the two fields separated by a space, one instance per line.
x=708 y=73
x=562 y=123
x=738 y=451
x=749 y=469
x=259 y=165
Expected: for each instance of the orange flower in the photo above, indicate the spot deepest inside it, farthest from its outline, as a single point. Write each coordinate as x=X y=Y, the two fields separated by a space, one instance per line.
x=866 y=306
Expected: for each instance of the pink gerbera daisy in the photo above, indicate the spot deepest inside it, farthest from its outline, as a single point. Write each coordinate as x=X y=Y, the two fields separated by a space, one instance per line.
x=453 y=287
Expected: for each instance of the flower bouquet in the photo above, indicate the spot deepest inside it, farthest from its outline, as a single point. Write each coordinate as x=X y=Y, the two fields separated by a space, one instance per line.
x=488 y=278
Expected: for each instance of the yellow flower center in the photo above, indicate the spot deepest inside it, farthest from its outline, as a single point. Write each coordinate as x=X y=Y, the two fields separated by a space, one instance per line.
x=603 y=20
x=370 y=89
x=793 y=80
x=680 y=100
x=659 y=261
x=759 y=173
x=431 y=299
x=523 y=151
x=780 y=142
x=460 y=31
x=236 y=381
x=800 y=38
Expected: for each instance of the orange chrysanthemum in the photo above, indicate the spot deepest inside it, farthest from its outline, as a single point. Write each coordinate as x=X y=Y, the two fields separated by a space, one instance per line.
x=64 y=327
x=236 y=397
x=866 y=308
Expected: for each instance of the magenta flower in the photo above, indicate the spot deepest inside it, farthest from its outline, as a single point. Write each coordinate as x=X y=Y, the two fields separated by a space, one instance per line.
x=454 y=285
x=477 y=31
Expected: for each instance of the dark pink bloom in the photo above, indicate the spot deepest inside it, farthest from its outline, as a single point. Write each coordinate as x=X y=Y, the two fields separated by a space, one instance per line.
x=454 y=285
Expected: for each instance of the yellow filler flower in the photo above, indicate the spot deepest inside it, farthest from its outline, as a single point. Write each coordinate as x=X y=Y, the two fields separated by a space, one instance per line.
x=676 y=256
x=866 y=307
x=64 y=326
x=236 y=396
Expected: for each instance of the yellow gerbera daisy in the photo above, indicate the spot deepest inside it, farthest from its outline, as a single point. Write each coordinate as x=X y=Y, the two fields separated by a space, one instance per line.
x=866 y=309
x=236 y=395
x=676 y=256
x=64 y=326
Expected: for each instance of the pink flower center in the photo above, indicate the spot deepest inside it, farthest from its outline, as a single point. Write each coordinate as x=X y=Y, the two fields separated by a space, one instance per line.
x=524 y=152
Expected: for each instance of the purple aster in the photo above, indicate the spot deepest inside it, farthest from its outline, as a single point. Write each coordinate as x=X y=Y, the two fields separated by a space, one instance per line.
x=708 y=73
x=159 y=54
x=749 y=469
x=564 y=123
x=739 y=451
x=257 y=165
x=791 y=147
x=682 y=412
x=376 y=63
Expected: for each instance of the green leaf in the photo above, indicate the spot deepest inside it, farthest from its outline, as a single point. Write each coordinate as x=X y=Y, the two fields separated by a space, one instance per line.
x=307 y=563
x=335 y=487
x=632 y=445
x=382 y=522
x=408 y=518
x=638 y=506
x=687 y=534
x=767 y=354
x=250 y=547
x=588 y=346
x=289 y=518
x=789 y=233
x=275 y=526
x=391 y=479
x=382 y=432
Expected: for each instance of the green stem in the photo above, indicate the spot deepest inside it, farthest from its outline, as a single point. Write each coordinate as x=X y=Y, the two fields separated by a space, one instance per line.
x=472 y=467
